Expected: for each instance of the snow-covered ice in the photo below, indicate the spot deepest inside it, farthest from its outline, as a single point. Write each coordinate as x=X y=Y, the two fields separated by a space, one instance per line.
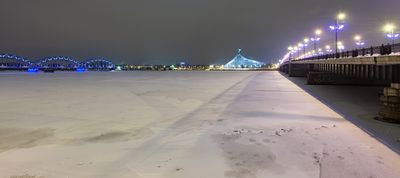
x=178 y=124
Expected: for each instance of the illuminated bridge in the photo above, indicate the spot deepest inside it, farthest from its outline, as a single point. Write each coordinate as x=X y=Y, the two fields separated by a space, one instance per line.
x=10 y=61
x=378 y=65
x=14 y=62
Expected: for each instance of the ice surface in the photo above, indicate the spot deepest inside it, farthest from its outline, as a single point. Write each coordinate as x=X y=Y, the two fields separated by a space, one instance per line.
x=178 y=124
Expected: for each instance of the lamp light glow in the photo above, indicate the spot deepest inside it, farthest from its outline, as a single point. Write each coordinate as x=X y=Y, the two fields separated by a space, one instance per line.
x=389 y=27
x=341 y=16
x=318 y=32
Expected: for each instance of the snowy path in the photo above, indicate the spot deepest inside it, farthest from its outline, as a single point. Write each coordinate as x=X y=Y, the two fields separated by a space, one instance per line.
x=239 y=125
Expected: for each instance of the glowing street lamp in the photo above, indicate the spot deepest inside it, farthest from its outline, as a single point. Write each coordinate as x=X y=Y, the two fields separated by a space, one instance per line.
x=316 y=37
x=389 y=29
x=291 y=50
x=359 y=41
x=337 y=27
x=301 y=46
x=296 y=49
x=328 y=48
x=320 y=51
x=305 y=44
x=340 y=46
x=306 y=40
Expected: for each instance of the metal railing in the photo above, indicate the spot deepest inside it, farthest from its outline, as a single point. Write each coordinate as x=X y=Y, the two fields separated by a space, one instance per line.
x=371 y=51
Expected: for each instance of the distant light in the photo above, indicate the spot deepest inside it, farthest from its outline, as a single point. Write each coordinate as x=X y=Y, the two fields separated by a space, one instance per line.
x=306 y=40
x=358 y=40
x=33 y=70
x=340 y=45
x=389 y=27
x=318 y=32
x=80 y=69
x=360 y=43
x=341 y=16
x=328 y=48
x=357 y=37
x=315 y=39
x=392 y=35
x=336 y=27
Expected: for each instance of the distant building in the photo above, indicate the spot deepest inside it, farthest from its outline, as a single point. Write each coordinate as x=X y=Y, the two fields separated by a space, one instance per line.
x=242 y=62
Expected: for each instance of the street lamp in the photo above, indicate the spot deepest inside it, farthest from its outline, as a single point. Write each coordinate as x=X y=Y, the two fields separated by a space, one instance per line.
x=337 y=27
x=359 y=41
x=389 y=29
x=340 y=46
x=306 y=40
x=328 y=49
x=301 y=46
x=290 y=48
x=296 y=49
x=316 y=37
x=320 y=51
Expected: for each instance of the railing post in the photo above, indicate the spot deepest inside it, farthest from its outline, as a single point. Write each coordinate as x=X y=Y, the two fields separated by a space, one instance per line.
x=371 y=51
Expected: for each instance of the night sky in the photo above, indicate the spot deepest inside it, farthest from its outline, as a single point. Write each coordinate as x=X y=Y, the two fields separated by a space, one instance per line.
x=168 y=31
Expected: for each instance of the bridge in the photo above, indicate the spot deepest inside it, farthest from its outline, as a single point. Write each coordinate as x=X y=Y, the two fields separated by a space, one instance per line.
x=15 y=62
x=379 y=65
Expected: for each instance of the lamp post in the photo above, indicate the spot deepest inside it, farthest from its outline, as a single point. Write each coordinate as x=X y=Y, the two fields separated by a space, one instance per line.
x=316 y=38
x=389 y=29
x=290 y=48
x=359 y=41
x=301 y=46
x=337 y=27
x=320 y=51
x=340 y=46
x=296 y=50
x=306 y=41
x=328 y=49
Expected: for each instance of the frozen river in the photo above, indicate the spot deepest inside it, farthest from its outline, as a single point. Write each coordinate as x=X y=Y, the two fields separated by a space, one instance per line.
x=178 y=124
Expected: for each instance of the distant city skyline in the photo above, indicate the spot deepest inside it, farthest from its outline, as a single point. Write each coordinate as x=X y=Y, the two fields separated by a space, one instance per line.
x=198 y=32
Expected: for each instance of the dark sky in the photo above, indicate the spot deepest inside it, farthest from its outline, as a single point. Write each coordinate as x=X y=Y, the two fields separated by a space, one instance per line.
x=166 y=31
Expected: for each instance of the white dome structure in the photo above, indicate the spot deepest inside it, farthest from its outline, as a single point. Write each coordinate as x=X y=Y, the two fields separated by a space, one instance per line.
x=242 y=62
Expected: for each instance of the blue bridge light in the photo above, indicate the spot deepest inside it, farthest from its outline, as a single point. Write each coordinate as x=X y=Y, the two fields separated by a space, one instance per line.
x=33 y=70
x=80 y=69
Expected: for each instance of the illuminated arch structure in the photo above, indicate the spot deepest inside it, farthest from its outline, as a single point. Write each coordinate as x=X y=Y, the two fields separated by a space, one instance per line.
x=11 y=61
x=242 y=62
x=98 y=64
x=58 y=63
x=14 y=62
